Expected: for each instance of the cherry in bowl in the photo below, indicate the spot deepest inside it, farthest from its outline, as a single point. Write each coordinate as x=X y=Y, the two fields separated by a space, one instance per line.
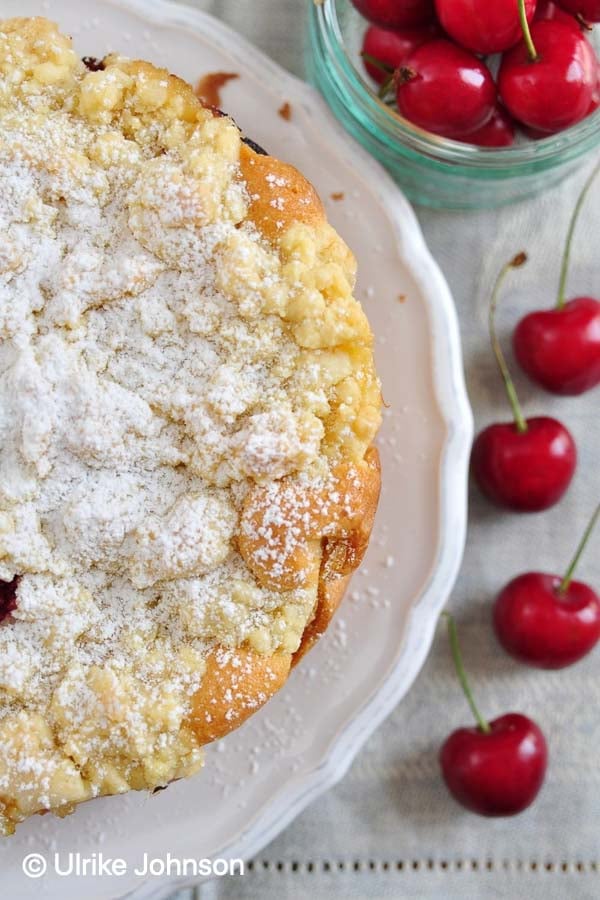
x=445 y=89
x=552 y=12
x=383 y=50
x=547 y=81
x=396 y=13
x=500 y=131
x=484 y=26
x=588 y=10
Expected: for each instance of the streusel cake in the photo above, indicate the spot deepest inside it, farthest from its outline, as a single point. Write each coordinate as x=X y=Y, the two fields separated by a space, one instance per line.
x=187 y=408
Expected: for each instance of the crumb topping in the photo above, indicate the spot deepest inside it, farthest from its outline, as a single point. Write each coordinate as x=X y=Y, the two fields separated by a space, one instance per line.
x=209 y=87
x=162 y=364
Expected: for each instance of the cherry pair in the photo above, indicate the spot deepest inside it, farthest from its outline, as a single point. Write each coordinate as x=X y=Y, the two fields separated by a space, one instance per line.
x=527 y=465
x=497 y=768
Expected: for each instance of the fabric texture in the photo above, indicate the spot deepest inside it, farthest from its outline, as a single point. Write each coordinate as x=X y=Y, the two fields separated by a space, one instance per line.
x=389 y=829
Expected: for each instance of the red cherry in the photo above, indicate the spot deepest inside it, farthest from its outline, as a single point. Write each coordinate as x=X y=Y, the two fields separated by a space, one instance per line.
x=498 y=773
x=525 y=465
x=496 y=768
x=560 y=348
x=8 y=597
x=445 y=89
x=390 y=48
x=587 y=9
x=498 y=132
x=547 y=81
x=548 y=621
x=396 y=13
x=527 y=471
x=595 y=103
x=539 y=626
x=483 y=26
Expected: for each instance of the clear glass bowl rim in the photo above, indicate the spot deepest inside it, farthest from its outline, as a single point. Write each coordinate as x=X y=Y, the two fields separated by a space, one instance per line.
x=553 y=150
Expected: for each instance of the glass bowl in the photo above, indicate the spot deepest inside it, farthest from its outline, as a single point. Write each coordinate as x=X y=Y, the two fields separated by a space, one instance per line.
x=432 y=170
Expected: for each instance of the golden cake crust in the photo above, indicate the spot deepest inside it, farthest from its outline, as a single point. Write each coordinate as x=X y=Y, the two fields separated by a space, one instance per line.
x=296 y=526
x=252 y=678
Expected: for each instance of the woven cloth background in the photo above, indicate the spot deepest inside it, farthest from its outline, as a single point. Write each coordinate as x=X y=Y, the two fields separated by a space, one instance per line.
x=389 y=829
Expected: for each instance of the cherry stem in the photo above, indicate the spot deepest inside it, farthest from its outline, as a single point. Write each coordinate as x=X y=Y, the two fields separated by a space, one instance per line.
x=386 y=87
x=387 y=70
x=570 y=234
x=533 y=54
x=566 y=582
x=519 y=418
x=483 y=724
x=378 y=64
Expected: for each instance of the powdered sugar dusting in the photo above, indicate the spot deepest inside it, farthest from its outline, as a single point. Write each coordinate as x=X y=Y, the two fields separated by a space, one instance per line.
x=124 y=420
x=149 y=379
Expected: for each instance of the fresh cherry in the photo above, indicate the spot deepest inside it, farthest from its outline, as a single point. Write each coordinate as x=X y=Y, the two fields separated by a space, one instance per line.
x=548 y=621
x=589 y=10
x=498 y=132
x=484 y=26
x=445 y=89
x=595 y=103
x=560 y=348
x=495 y=768
x=527 y=471
x=8 y=597
x=547 y=81
x=524 y=465
x=396 y=13
x=498 y=772
x=384 y=50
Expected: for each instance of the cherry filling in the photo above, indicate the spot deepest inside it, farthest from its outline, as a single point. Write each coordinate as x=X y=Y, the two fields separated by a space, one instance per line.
x=8 y=597
x=93 y=64
x=254 y=146
x=246 y=140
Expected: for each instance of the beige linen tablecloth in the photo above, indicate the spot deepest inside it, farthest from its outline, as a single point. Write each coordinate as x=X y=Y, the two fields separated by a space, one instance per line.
x=390 y=829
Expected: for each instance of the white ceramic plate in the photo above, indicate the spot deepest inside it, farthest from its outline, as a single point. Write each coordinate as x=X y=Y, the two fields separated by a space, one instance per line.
x=260 y=777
